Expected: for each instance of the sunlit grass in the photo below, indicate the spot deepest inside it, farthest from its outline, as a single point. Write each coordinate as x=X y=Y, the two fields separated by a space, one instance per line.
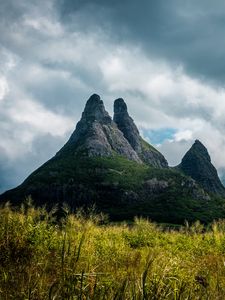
x=83 y=257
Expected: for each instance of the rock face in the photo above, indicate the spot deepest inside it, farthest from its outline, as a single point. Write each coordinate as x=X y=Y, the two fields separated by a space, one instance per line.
x=125 y=123
x=97 y=135
x=196 y=163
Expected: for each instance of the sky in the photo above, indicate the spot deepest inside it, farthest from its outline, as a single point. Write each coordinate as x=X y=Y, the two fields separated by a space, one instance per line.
x=165 y=58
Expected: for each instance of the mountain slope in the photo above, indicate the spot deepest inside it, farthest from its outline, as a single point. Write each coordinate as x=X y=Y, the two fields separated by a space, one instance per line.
x=119 y=187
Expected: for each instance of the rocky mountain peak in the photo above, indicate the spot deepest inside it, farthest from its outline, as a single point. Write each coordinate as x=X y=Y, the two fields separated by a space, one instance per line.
x=125 y=123
x=199 y=149
x=120 y=106
x=196 y=163
x=95 y=109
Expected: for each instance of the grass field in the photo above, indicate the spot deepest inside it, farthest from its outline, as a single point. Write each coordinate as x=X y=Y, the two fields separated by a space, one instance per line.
x=83 y=257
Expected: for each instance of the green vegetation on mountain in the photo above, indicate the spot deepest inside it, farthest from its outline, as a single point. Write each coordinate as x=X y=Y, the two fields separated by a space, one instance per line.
x=121 y=188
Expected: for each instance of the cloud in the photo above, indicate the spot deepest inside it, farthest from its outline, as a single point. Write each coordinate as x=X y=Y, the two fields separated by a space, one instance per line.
x=34 y=116
x=159 y=56
x=183 y=135
x=4 y=88
x=181 y=32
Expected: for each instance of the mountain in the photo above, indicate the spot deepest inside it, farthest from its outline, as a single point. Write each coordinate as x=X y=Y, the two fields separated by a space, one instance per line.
x=106 y=162
x=196 y=163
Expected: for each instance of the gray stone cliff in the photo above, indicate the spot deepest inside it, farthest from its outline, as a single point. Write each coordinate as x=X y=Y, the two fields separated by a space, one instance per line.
x=125 y=123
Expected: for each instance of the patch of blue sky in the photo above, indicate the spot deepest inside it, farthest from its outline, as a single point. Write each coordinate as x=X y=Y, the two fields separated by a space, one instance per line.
x=158 y=136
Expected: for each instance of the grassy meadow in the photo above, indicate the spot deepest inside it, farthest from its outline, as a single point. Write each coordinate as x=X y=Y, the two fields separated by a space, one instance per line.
x=84 y=257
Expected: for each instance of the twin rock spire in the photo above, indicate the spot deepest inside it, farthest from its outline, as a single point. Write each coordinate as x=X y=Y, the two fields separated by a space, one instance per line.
x=97 y=134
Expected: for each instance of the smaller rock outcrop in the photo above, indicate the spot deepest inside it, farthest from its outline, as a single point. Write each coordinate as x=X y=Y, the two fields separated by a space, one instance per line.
x=125 y=123
x=196 y=163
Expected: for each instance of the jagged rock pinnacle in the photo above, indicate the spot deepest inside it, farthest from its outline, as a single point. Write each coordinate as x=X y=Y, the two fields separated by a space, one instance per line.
x=120 y=106
x=196 y=163
x=130 y=131
x=126 y=124
x=94 y=109
x=201 y=149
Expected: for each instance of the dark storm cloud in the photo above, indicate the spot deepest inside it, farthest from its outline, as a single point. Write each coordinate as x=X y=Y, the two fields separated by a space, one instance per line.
x=191 y=33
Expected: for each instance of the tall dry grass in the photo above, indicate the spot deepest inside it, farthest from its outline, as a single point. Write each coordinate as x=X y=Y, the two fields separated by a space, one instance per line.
x=81 y=257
